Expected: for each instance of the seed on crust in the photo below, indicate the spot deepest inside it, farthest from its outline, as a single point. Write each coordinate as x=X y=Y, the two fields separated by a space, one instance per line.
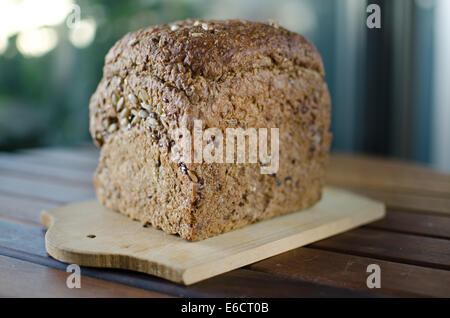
x=114 y=99
x=132 y=42
x=143 y=114
x=132 y=99
x=163 y=122
x=112 y=128
x=146 y=106
x=124 y=113
x=120 y=103
x=135 y=120
x=192 y=176
x=124 y=121
x=153 y=122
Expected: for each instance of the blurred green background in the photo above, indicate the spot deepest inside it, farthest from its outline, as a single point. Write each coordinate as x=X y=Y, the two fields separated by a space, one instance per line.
x=383 y=82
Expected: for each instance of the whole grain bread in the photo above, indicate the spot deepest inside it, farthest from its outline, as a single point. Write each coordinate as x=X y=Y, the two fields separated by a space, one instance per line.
x=230 y=73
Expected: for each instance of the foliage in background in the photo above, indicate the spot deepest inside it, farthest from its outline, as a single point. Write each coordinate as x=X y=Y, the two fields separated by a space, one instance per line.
x=44 y=100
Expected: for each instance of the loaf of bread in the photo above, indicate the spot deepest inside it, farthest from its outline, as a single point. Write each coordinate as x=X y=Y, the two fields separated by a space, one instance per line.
x=222 y=74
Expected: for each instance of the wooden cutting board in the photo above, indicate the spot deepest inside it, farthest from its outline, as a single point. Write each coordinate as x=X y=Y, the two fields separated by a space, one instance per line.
x=89 y=234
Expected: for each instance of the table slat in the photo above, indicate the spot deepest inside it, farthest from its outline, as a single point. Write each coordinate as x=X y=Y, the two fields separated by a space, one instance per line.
x=414 y=223
x=330 y=268
x=370 y=172
x=23 y=279
x=391 y=246
x=43 y=188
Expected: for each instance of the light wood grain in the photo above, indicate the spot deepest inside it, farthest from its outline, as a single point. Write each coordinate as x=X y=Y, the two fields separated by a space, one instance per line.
x=122 y=243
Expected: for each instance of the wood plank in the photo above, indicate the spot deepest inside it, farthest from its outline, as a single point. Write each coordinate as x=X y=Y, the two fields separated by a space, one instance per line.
x=390 y=246
x=248 y=283
x=45 y=189
x=89 y=234
x=25 y=166
x=407 y=202
x=23 y=209
x=79 y=157
x=414 y=223
x=23 y=279
x=26 y=242
x=361 y=171
x=334 y=269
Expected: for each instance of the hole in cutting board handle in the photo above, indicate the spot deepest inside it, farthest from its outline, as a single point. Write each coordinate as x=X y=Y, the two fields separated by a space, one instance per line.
x=91 y=236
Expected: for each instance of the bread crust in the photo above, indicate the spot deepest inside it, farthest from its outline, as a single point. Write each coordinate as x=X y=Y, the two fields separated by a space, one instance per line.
x=230 y=73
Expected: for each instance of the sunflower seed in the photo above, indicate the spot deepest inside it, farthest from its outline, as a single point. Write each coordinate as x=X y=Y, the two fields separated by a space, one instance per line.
x=205 y=26
x=124 y=121
x=114 y=99
x=274 y=23
x=105 y=122
x=146 y=106
x=196 y=23
x=153 y=122
x=132 y=98
x=134 y=112
x=163 y=122
x=135 y=120
x=124 y=113
x=196 y=34
x=132 y=42
x=143 y=114
x=112 y=128
x=316 y=140
x=120 y=104
x=174 y=27
x=192 y=176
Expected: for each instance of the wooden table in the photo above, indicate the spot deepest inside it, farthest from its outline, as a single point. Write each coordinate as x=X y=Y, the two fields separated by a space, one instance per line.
x=411 y=245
